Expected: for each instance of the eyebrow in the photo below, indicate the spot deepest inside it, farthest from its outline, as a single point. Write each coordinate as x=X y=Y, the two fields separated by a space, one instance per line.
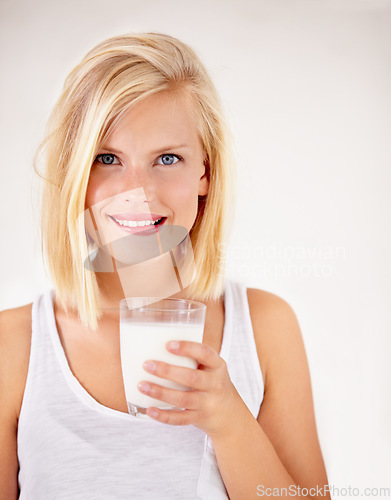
x=160 y=150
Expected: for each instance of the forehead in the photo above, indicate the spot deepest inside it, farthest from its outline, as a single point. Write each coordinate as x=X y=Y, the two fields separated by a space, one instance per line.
x=165 y=117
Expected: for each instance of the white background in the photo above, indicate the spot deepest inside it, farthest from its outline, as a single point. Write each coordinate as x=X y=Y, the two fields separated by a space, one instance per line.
x=307 y=90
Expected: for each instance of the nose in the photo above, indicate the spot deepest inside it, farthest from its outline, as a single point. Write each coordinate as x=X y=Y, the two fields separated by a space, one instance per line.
x=138 y=186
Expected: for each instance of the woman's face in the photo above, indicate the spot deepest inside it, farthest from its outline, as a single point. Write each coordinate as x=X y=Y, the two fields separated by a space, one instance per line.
x=150 y=167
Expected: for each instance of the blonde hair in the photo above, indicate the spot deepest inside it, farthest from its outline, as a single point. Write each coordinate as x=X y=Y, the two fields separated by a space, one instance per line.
x=115 y=74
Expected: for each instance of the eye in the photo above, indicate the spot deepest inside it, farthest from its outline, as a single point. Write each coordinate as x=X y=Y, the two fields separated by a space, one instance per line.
x=106 y=159
x=168 y=157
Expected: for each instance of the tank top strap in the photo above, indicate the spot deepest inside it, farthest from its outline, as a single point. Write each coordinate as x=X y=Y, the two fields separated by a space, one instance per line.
x=239 y=349
x=41 y=367
x=228 y=319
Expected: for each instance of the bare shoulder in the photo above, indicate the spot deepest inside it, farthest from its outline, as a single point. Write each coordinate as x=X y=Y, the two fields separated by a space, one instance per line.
x=15 y=342
x=276 y=331
x=262 y=302
x=15 y=335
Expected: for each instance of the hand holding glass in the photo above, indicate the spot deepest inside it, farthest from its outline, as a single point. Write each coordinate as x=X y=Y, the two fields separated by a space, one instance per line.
x=146 y=325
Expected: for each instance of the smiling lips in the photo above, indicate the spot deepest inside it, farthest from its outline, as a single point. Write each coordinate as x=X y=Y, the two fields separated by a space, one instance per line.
x=138 y=222
x=137 y=217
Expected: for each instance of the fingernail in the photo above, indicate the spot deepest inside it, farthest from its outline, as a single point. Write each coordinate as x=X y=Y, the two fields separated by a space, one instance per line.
x=173 y=345
x=144 y=386
x=150 y=366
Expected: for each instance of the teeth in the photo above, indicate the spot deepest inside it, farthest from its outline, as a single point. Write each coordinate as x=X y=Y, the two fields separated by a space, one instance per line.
x=133 y=223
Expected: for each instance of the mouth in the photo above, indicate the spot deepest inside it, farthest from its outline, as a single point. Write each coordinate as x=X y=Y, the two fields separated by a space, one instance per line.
x=138 y=223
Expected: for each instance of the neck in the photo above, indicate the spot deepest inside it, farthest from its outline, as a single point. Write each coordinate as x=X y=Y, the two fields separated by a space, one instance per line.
x=112 y=287
x=153 y=277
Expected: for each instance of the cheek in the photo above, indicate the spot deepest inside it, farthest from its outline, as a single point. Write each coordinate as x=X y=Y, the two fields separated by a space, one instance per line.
x=96 y=191
x=184 y=195
x=92 y=193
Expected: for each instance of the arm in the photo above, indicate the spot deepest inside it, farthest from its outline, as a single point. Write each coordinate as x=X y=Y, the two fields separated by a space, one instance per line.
x=13 y=371
x=280 y=448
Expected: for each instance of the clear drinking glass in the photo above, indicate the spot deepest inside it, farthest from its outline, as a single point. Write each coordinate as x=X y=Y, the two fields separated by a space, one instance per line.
x=146 y=325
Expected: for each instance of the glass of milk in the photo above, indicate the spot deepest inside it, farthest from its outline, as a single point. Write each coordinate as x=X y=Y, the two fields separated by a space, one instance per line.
x=146 y=325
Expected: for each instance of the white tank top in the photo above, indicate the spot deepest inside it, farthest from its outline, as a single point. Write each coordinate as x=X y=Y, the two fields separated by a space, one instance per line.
x=72 y=447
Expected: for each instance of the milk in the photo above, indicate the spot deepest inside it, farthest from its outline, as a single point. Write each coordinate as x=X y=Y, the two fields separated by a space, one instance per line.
x=141 y=341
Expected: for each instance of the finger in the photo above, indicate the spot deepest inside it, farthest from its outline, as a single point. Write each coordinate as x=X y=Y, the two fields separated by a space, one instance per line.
x=203 y=353
x=172 y=417
x=189 y=400
x=189 y=377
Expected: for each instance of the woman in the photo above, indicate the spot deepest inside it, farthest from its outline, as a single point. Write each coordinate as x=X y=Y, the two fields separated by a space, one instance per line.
x=139 y=123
